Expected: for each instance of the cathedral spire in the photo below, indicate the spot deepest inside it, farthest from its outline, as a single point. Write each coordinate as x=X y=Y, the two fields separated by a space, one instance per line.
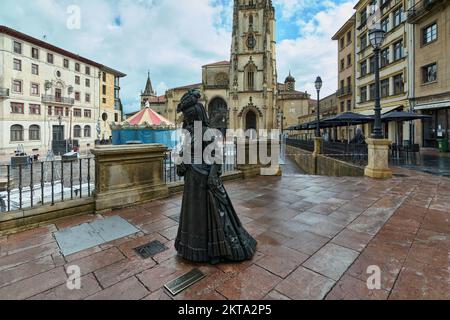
x=148 y=87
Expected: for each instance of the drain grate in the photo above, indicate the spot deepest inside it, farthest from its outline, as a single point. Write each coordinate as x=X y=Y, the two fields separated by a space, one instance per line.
x=151 y=249
x=184 y=282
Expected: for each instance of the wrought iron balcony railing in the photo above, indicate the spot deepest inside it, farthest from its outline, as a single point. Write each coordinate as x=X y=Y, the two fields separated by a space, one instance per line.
x=344 y=91
x=56 y=99
x=4 y=92
x=420 y=9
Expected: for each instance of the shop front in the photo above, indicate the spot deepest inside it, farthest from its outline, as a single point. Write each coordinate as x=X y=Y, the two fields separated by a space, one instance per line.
x=436 y=131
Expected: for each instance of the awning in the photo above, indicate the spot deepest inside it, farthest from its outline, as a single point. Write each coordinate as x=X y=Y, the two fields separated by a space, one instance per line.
x=436 y=105
x=372 y=112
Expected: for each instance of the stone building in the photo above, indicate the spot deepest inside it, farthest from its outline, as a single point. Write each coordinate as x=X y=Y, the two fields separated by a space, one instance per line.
x=431 y=69
x=243 y=92
x=48 y=94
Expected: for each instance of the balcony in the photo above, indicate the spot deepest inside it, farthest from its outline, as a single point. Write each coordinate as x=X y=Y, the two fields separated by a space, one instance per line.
x=421 y=9
x=58 y=100
x=344 y=91
x=4 y=93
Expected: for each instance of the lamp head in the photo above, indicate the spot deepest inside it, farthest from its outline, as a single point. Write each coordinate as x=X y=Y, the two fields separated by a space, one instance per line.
x=376 y=38
x=318 y=83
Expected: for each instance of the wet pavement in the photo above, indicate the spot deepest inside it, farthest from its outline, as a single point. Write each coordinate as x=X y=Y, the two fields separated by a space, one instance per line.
x=317 y=237
x=430 y=162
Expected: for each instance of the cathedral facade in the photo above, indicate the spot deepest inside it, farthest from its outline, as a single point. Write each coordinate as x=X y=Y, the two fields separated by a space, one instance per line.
x=242 y=93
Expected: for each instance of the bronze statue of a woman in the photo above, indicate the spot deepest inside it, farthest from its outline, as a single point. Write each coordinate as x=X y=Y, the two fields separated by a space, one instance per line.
x=210 y=230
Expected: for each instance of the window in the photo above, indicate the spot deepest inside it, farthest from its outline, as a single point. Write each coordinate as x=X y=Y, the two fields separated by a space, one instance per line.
x=363 y=41
x=429 y=34
x=87 y=97
x=116 y=117
x=342 y=85
x=87 y=113
x=66 y=63
x=35 y=109
x=251 y=80
x=398 y=17
x=77 y=131
x=363 y=94
x=17 y=65
x=77 y=80
x=50 y=58
x=104 y=100
x=77 y=96
x=16 y=132
x=49 y=110
x=17 y=107
x=384 y=88
x=35 y=69
x=17 y=47
x=385 y=57
x=77 y=67
x=34 y=133
x=104 y=76
x=349 y=105
x=88 y=70
x=385 y=24
x=399 y=84
x=363 y=68
x=342 y=43
x=34 y=89
x=87 y=131
x=342 y=64
x=398 y=50
x=349 y=60
x=88 y=83
x=59 y=111
x=372 y=91
x=35 y=53
x=363 y=17
x=67 y=112
x=349 y=37
x=77 y=113
x=17 y=86
x=342 y=106
x=429 y=73
x=372 y=64
x=104 y=89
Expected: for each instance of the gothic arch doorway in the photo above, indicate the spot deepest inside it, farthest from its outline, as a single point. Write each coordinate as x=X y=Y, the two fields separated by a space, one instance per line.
x=218 y=114
x=250 y=120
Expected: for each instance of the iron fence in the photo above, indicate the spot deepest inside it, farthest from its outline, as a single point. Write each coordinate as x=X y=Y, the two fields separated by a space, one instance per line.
x=47 y=182
x=229 y=163
x=307 y=144
x=354 y=152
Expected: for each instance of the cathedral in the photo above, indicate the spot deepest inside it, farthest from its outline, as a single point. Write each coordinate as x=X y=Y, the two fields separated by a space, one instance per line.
x=242 y=93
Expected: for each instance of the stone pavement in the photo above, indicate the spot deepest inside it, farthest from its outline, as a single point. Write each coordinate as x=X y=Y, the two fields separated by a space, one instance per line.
x=316 y=238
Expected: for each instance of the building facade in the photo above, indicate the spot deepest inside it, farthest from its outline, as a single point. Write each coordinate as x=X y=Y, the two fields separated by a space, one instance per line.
x=47 y=94
x=243 y=92
x=394 y=80
x=430 y=21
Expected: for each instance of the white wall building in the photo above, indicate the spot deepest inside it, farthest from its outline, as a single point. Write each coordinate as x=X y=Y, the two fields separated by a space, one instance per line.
x=46 y=94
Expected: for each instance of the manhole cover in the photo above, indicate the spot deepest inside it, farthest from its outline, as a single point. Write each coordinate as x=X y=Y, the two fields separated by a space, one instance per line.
x=151 y=249
x=184 y=282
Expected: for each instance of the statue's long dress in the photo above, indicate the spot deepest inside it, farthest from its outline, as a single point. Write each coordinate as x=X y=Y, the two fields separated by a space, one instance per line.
x=210 y=230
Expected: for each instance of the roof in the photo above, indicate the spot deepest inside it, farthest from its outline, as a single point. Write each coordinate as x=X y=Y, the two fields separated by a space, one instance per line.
x=160 y=99
x=148 y=87
x=190 y=86
x=148 y=116
x=345 y=27
x=22 y=36
x=220 y=63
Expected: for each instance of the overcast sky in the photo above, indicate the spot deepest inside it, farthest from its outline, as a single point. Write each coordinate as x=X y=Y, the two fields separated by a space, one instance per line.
x=174 y=38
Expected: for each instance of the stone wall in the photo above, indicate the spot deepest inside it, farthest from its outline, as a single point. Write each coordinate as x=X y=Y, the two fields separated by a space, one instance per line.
x=322 y=165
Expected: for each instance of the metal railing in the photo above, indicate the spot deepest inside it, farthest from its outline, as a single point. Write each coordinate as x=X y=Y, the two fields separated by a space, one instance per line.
x=344 y=91
x=170 y=167
x=55 y=99
x=420 y=9
x=45 y=183
x=354 y=152
x=4 y=92
x=307 y=144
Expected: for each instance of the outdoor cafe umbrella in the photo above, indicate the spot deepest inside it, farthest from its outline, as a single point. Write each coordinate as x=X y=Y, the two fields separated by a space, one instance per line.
x=402 y=116
x=348 y=118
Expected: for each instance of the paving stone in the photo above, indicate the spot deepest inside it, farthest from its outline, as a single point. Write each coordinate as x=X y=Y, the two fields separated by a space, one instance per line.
x=158 y=226
x=89 y=286
x=158 y=295
x=75 y=221
x=170 y=233
x=307 y=242
x=28 y=255
x=304 y=284
x=253 y=283
x=26 y=270
x=31 y=286
x=15 y=246
x=367 y=224
x=276 y=296
x=349 y=288
x=97 y=260
x=331 y=261
x=353 y=240
x=282 y=261
x=129 y=289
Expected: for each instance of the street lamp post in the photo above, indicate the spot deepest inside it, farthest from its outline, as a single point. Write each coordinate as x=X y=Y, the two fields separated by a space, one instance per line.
x=376 y=37
x=318 y=85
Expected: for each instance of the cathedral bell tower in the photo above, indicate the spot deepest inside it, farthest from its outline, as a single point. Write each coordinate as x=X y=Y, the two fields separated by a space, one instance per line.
x=253 y=75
